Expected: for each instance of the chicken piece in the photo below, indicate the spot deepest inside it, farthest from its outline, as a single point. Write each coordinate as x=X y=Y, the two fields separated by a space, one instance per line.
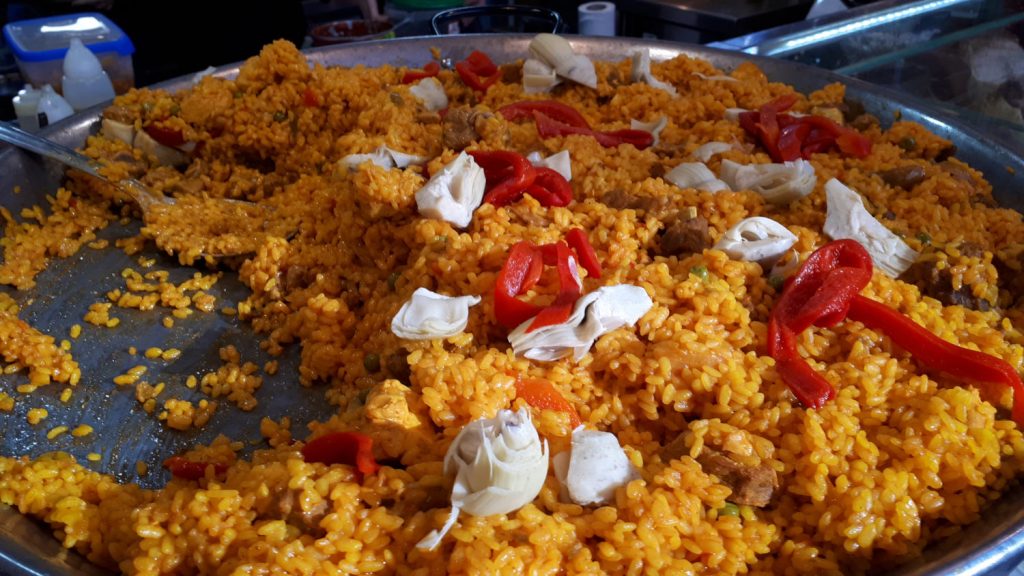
x=620 y=199
x=459 y=127
x=684 y=236
x=290 y=508
x=396 y=420
x=751 y=485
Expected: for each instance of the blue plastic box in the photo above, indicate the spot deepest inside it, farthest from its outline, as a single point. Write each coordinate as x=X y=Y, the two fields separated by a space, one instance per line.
x=39 y=46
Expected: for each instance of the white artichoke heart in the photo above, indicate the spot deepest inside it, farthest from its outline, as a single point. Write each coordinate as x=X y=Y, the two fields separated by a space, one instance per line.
x=453 y=193
x=757 y=239
x=431 y=93
x=594 y=315
x=705 y=151
x=560 y=162
x=848 y=219
x=557 y=53
x=654 y=128
x=778 y=183
x=594 y=468
x=384 y=157
x=165 y=155
x=642 y=72
x=538 y=77
x=114 y=130
x=428 y=315
x=695 y=175
x=499 y=464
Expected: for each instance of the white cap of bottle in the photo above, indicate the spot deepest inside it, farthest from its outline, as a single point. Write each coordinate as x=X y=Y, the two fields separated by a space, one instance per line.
x=85 y=81
x=52 y=107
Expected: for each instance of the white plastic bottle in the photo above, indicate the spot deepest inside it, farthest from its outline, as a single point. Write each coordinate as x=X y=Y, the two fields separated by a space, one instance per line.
x=85 y=81
x=26 y=108
x=52 y=107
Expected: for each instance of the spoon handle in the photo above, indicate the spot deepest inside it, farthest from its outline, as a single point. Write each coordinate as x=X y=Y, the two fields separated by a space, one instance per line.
x=22 y=139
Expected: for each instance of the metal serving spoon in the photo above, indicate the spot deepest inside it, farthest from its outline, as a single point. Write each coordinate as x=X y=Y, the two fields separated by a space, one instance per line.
x=147 y=200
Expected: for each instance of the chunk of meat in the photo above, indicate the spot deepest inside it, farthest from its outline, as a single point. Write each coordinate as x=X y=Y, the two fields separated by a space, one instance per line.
x=905 y=177
x=428 y=117
x=751 y=485
x=959 y=173
x=397 y=364
x=459 y=127
x=622 y=200
x=511 y=73
x=938 y=283
x=684 y=236
x=657 y=170
x=864 y=122
x=396 y=420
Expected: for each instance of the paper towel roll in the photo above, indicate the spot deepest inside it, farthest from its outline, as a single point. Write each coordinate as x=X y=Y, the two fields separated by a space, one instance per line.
x=597 y=19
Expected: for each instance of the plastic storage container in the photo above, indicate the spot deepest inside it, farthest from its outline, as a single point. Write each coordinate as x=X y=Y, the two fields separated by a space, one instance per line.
x=39 y=46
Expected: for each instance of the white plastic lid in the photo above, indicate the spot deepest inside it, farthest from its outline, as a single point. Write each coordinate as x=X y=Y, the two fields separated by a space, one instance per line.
x=44 y=39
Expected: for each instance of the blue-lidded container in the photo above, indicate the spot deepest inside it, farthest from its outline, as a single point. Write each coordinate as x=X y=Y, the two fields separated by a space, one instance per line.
x=39 y=46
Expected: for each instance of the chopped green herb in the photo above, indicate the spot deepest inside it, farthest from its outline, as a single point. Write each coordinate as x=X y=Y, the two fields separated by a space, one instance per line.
x=371 y=362
x=729 y=509
x=924 y=237
x=393 y=280
x=238 y=94
x=908 y=143
x=280 y=116
x=700 y=272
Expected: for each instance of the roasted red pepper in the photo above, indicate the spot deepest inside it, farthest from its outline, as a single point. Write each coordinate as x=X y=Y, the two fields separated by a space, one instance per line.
x=351 y=448
x=521 y=272
x=542 y=395
x=579 y=242
x=548 y=127
x=550 y=188
x=431 y=70
x=181 y=467
x=508 y=175
x=787 y=137
x=477 y=71
x=524 y=110
x=826 y=291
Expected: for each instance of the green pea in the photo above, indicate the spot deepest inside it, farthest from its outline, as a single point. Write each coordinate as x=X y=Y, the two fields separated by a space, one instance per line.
x=371 y=362
x=908 y=143
x=280 y=116
x=729 y=509
x=777 y=282
x=924 y=238
x=700 y=272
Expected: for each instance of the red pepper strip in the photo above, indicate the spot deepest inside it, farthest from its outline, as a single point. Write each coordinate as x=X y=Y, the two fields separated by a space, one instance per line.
x=820 y=294
x=550 y=188
x=310 y=98
x=431 y=70
x=542 y=395
x=172 y=137
x=548 y=127
x=787 y=137
x=578 y=241
x=550 y=108
x=569 y=290
x=939 y=354
x=521 y=272
x=508 y=175
x=351 y=448
x=477 y=71
x=181 y=467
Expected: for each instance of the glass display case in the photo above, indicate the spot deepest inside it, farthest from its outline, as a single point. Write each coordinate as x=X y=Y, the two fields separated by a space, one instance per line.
x=963 y=55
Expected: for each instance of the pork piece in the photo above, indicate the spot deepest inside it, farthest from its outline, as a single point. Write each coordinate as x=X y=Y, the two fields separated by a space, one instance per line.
x=938 y=284
x=960 y=173
x=511 y=73
x=905 y=177
x=397 y=364
x=684 y=236
x=428 y=117
x=459 y=127
x=751 y=485
x=622 y=200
